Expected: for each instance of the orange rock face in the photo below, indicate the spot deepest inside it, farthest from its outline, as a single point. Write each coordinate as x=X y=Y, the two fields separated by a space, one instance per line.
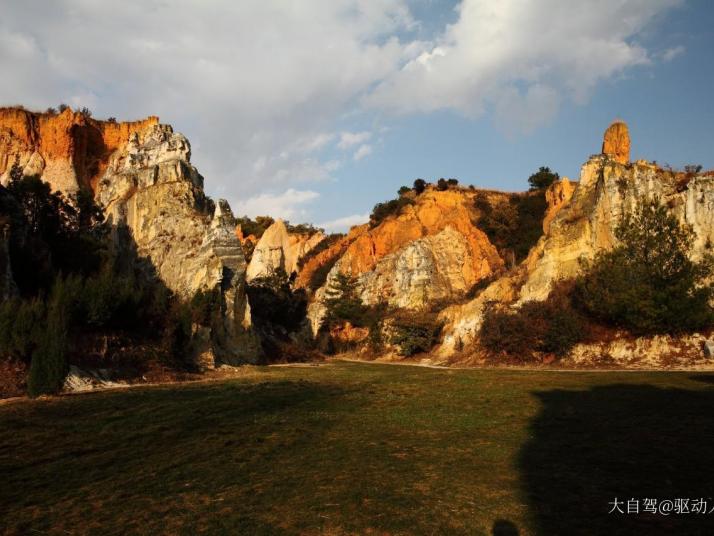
x=328 y=255
x=431 y=214
x=616 y=142
x=76 y=147
x=557 y=195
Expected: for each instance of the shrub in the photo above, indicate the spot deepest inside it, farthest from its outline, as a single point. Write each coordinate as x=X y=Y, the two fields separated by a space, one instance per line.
x=382 y=210
x=49 y=367
x=551 y=326
x=442 y=185
x=514 y=225
x=254 y=227
x=542 y=178
x=419 y=186
x=404 y=190
x=62 y=107
x=415 y=332
x=452 y=182
x=647 y=283
x=506 y=332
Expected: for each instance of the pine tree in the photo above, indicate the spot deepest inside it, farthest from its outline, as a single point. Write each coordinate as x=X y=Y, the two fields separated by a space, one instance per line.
x=343 y=302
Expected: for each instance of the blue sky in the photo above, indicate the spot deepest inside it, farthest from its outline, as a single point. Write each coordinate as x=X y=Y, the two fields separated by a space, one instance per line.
x=317 y=110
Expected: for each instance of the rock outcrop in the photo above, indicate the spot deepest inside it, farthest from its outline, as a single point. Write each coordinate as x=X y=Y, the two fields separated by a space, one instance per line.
x=430 y=252
x=141 y=174
x=69 y=149
x=278 y=249
x=616 y=142
x=151 y=187
x=327 y=256
x=557 y=195
x=585 y=225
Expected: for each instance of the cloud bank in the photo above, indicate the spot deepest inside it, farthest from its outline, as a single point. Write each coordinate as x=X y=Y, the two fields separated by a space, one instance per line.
x=270 y=92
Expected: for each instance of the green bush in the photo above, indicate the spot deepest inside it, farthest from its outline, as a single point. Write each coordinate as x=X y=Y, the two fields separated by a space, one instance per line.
x=415 y=332
x=49 y=367
x=550 y=326
x=648 y=284
x=542 y=178
x=506 y=332
x=514 y=225
x=419 y=186
x=383 y=210
x=21 y=324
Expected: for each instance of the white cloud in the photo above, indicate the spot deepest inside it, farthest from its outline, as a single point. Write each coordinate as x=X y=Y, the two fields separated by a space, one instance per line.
x=287 y=205
x=343 y=224
x=364 y=150
x=520 y=58
x=258 y=85
x=265 y=90
x=350 y=139
x=671 y=53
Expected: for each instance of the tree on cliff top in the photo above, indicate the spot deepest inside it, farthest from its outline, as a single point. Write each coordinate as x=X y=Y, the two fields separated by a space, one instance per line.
x=543 y=178
x=648 y=283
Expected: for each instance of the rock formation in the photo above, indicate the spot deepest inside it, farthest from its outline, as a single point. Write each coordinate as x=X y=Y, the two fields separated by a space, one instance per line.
x=69 y=150
x=141 y=174
x=429 y=252
x=616 y=142
x=278 y=249
x=557 y=195
x=327 y=256
x=585 y=225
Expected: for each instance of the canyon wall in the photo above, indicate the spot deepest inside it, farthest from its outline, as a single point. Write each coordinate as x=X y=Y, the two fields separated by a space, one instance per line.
x=142 y=176
x=584 y=224
x=429 y=252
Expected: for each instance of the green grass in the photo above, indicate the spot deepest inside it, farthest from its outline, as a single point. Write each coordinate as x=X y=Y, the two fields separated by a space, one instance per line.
x=362 y=449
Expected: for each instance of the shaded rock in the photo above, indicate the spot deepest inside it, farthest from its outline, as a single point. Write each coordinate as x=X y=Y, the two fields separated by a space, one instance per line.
x=279 y=250
x=151 y=187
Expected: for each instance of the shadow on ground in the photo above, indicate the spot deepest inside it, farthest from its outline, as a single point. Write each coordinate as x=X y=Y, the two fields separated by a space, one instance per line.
x=625 y=441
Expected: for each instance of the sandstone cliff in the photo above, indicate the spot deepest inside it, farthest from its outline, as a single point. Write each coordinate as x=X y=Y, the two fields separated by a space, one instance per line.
x=585 y=224
x=430 y=252
x=68 y=149
x=278 y=249
x=141 y=174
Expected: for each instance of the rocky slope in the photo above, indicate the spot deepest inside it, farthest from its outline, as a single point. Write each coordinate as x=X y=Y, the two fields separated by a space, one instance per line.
x=429 y=252
x=584 y=223
x=140 y=172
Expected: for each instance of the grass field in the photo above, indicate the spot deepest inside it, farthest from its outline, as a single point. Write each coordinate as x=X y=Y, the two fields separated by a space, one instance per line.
x=351 y=448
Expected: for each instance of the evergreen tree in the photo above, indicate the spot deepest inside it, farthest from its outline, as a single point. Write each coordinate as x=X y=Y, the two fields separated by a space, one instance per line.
x=343 y=302
x=49 y=368
x=648 y=283
x=543 y=178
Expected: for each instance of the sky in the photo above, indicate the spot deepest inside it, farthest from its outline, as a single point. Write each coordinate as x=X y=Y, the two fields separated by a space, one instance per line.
x=315 y=110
